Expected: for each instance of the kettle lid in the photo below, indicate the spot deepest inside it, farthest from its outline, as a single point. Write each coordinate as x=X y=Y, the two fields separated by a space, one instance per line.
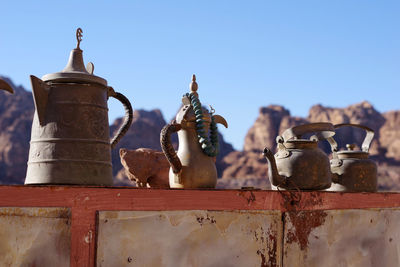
x=351 y=153
x=75 y=70
x=187 y=112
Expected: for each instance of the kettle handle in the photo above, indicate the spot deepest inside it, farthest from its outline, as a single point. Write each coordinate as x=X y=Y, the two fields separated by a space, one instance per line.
x=368 y=136
x=324 y=130
x=127 y=119
x=168 y=149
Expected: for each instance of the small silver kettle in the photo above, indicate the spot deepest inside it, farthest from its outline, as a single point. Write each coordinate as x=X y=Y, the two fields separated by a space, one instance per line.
x=355 y=171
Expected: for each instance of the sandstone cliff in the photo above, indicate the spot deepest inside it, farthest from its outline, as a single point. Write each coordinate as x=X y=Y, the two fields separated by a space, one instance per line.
x=273 y=120
x=238 y=168
x=16 y=113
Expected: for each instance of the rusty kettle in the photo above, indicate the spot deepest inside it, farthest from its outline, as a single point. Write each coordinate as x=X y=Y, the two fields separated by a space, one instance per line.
x=194 y=164
x=355 y=171
x=299 y=163
x=70 y=141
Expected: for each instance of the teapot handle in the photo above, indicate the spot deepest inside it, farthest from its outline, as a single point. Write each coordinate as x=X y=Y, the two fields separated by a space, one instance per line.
x=368 y=137
x=168 y=149
x=128 y=116
x=324 y=130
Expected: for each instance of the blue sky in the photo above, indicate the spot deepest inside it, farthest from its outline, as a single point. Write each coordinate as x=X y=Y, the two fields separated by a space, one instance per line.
x=246 y=54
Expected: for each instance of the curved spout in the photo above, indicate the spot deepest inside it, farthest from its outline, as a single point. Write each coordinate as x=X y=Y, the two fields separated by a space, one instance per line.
x=40 y=92
x=221 y=120
x=5 y=86
x=273 y=174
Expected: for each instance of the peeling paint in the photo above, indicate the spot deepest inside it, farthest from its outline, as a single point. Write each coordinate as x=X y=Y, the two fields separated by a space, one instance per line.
x=189 y=238
x=248 y=195
x=356 y=238
x=35 y=236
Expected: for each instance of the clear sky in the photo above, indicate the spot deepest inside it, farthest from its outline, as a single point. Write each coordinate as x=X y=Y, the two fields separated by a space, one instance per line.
x=246 y=54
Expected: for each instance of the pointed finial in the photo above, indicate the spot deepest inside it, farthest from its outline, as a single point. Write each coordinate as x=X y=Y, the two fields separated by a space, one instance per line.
x=78 y=37
x=193 y=85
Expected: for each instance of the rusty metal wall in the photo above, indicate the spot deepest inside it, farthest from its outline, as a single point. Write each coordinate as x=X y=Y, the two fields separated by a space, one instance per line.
x=189 y=238
x=35 y=237
x=341 y=238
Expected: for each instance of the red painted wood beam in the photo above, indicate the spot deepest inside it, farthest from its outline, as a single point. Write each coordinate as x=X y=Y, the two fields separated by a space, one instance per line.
x=86 y=201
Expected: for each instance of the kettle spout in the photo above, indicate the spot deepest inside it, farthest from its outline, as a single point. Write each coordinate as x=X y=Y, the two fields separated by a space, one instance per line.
x=274 y=177
x=40 y=92
x=221 y=120
x=5 y=86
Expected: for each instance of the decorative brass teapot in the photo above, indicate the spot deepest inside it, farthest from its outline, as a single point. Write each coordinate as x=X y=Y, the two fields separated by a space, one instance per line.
x=194 y=164
x=5 y=86
x=355 y=171
x=299 y=163
x=70 y=141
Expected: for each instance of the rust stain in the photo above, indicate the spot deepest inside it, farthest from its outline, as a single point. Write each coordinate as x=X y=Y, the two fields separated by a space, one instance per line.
x=263 y=259
x=36 y=212
x=209 y=219
x=267 y=239
x=248 y=195
x=315 y=199
x=272 y=249
x=303 y=223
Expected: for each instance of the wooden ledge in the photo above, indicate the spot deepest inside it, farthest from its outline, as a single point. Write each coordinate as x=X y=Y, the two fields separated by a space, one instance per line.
x=129 y=198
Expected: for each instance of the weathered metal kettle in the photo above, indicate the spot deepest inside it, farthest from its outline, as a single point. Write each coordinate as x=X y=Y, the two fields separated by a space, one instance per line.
x=194 y=164
x=355 y=171
x=70 y=141
x=299 y=163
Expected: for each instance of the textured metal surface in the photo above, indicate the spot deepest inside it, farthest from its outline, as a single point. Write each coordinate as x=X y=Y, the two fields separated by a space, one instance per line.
x=70 y=142
x=193 y=166
x=355 y=172
x=189 y=238
x=356 y=238
x=35 y=237
x=72 y=146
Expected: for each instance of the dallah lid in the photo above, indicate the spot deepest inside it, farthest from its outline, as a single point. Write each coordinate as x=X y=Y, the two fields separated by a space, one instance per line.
x=186 y=112
x=75 y=70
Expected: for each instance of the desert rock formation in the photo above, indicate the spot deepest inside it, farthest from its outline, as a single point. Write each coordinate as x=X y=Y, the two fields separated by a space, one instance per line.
x=273 y=120
x=16 y=113
x=238 y=168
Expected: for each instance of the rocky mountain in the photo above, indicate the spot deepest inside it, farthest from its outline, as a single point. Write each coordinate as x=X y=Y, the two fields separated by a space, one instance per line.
x=16 y=113
x=273 y=120
x=237 y=168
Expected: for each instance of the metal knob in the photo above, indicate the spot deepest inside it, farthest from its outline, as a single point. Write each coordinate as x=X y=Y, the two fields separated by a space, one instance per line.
x=350 y=147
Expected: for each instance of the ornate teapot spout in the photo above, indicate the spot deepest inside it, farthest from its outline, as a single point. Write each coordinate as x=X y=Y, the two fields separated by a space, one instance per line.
x=5 y=86
x=40 y=92
x=273 y=175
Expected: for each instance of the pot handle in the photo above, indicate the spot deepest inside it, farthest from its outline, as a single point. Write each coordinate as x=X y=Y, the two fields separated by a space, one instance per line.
x=324 y=130
x=168 y=149
x=127 y=119
x=368 y=137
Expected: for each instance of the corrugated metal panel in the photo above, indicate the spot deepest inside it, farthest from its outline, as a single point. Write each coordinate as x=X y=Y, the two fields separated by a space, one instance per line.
x=341 y=238
x=189 y=238
x=35 y=237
